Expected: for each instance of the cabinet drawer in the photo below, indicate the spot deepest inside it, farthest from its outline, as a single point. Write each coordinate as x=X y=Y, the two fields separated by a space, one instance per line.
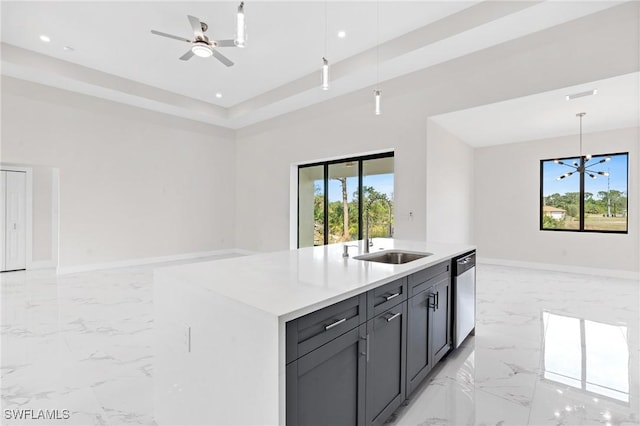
x=313 y=330
x=384 y=297
x=421 y=280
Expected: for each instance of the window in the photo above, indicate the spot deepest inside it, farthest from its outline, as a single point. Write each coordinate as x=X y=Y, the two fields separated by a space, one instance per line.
x=335 y=198
x=586 y=193
x=587 y=355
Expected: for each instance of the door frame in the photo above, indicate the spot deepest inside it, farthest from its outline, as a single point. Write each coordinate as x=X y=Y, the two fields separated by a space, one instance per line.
x=29 y=209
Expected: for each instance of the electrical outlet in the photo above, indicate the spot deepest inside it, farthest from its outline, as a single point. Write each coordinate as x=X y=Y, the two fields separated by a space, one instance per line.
x=186 y=338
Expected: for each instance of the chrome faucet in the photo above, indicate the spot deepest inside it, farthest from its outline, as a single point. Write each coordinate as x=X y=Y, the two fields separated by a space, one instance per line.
x=376 y=197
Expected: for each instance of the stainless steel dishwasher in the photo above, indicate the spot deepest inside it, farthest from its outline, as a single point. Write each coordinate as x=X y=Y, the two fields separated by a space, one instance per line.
x=464 y=292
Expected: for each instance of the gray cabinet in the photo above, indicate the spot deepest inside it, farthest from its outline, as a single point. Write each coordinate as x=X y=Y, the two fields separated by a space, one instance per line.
x=418 y=339
x=354 y=362
x=441 y=320
x=428 y=322
x=386 y=363
x=326 y=386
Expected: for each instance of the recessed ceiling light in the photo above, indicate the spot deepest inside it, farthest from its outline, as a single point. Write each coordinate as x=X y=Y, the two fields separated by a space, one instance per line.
x=218 y=95
x=45 y=38
x=342 y=34
x=582 y=94
x=68 y=49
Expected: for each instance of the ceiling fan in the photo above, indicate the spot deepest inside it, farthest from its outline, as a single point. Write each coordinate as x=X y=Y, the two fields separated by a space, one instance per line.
x=201 y=45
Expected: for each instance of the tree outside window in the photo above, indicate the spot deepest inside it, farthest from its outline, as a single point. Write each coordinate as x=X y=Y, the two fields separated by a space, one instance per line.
x=587 y=194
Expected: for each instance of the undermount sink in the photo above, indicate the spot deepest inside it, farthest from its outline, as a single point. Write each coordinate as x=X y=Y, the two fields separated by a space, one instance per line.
x=394 y=257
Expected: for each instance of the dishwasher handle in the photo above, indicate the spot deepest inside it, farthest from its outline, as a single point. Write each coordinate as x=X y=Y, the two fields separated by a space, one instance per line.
x=464 y=263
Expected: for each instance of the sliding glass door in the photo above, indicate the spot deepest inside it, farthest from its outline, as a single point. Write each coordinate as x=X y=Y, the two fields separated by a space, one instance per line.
x=377 y=193
x=311 y=214
x=343 y=202
x=333 y=197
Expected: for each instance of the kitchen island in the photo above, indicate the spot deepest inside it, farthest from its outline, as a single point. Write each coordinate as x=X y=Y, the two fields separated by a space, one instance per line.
x=221 y=326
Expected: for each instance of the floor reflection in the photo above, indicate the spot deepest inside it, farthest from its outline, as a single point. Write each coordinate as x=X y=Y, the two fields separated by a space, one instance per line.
x=587 y=355
x=548 y=350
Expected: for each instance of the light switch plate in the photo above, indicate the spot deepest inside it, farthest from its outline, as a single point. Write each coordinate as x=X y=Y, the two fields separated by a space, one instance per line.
x=186 y=337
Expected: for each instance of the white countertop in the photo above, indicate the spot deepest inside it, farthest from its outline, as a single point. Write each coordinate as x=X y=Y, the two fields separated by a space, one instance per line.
x=292 y=283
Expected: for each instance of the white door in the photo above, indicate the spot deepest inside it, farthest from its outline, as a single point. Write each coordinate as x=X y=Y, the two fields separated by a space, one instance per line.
x=14 y=216
x=3 y=222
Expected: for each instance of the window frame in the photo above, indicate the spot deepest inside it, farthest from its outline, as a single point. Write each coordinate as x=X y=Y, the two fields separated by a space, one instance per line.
x=581 y=197
x=326 y=164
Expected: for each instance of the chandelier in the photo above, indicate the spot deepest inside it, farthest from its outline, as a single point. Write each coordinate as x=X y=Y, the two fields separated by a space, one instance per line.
x=583 y=167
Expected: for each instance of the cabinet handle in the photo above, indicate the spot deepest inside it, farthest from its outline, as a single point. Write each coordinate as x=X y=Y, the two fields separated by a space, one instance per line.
x=364 y=353
x=394 y=316
x=394 y=295
x=330 y=326
x=367 y=347
x=437 y=300
x=432 y=305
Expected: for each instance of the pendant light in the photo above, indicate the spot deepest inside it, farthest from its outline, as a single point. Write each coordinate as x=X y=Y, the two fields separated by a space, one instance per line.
x=325 y=62
x=241 y=27
x=583 y=166
x=325 y=74
x=377 y=93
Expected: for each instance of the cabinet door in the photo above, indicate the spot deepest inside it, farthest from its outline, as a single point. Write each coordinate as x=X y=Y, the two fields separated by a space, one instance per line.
x=386 y=363
x=441 y=322
x=418 y=338
x=327 y=386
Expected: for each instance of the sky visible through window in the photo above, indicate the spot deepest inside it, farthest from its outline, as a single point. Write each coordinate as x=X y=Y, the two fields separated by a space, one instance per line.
x=617 y=169
x=383 y=183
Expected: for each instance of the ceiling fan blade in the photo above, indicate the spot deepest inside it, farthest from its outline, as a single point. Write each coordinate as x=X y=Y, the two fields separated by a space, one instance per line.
x=219 y=56
x=170 y=36
x=197 y=26
x=187 y=56
x=225 y=43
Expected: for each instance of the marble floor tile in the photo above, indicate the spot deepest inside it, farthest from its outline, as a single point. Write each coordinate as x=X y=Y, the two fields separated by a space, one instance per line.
x=550 y=348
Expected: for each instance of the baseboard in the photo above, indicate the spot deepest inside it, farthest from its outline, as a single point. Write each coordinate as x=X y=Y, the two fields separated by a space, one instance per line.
x=614 y=273
x=245 y=252
x=146 y=261
x=41 y=264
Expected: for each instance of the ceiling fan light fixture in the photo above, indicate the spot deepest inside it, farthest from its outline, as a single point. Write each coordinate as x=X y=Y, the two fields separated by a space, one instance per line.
x=202 y=50
x=241 y=29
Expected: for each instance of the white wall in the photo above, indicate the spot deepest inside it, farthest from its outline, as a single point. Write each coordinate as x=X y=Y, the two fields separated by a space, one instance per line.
x=133 y=183
x=45 y=222
x=265 y=155
x=508 y=202
x=450 y=177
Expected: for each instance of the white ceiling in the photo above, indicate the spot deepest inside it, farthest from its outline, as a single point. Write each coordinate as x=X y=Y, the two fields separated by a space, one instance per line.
x=116 y=57
x=615 y=105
